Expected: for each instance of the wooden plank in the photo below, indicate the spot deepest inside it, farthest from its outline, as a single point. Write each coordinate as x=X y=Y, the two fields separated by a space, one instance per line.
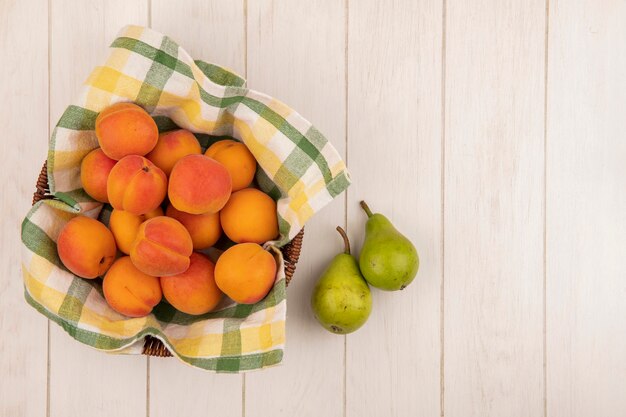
x=177 y=389
x=24 y=121
x=84 y=381
x=211 y=31
x=296 y=53
x=80 y=37
x=394 y=142
x=493 y=197
x=586 y=206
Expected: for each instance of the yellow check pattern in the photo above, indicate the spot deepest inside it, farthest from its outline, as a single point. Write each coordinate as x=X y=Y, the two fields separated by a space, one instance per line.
x=298 y=168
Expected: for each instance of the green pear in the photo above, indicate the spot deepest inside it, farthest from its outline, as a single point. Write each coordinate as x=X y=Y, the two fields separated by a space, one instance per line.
x=388 y=260
x=341 y=299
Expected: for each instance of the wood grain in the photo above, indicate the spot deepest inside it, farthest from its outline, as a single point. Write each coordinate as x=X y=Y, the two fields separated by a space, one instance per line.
x=493 y=191
x=211 y=31
x=23 y=84
x=394 y=156
x=586 y=210
x=467 y=186
x=84 y=381
x=307 y=72
x=177 y=389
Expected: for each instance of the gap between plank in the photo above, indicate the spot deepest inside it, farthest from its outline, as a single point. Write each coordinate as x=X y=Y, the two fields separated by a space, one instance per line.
x=442 y=214
x=545 y=213
x=245 y=39
x=245 y=71
x=147 y=386
x=48 y=374
x=49 y=133
x=150 y=14
x=243 y=395
x=345 y=210
x=148 y=357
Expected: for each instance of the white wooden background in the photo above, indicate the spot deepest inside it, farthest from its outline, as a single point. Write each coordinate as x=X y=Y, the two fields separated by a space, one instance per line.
x=492 y=132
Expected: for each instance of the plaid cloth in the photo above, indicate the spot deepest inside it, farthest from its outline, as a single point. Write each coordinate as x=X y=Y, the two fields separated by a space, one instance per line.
x=298 y=168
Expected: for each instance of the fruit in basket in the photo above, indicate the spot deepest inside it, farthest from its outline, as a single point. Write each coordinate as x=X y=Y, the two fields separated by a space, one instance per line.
x=86 y=247
x=172 y=146
x=245 y=272
x=162 y=247
x=204 y=229
x=199 y=184
x=341 y=299
x=237 y=159
x=125 y=129
x=129 y=291
x=136 y=185
x=250 y=216
x=94 y=172
x=125 y=225
x=193 y=291
x=388 y=259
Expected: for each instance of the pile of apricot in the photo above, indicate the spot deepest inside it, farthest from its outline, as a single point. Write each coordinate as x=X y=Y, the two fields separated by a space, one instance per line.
x=170 y=201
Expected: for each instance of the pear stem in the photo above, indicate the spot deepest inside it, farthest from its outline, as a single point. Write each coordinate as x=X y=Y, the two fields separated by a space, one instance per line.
x=346 y=242
x=365 y=207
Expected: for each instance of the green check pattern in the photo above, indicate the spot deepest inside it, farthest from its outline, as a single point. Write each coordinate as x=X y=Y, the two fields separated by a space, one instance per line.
x=298 y=167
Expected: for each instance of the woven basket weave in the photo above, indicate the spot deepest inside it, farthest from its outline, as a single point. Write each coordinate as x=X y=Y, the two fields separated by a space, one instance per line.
x=153 y=346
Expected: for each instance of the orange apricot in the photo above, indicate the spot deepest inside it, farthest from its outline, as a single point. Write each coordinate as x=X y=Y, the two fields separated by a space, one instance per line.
x=124 y=225
x=204 y=229
x=172 y=146
x=162 y=247
x=94 y=172
x=86 y=247
x=193 y=291
x=199 y=184
x=136 y=185
x=237 y=159
x=245 y=272
x=125 y=129
x=250 y=216
x=129 y=291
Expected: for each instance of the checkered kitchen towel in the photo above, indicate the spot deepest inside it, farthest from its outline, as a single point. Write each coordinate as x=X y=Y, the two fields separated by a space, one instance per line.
x=299 y=168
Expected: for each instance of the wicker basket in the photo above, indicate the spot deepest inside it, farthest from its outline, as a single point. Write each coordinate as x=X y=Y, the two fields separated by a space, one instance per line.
x=153 y=346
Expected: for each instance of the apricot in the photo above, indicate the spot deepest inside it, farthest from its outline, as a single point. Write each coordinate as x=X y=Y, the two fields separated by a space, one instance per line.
x=86 y=247
x=129 y=291
x=94 y=172
x=204 y=229
x=250 y=216
x=136 y=185
x=199 y=184
x=193 y=291
x=245 y=272
x=162 y=247
x=172 y=146
x=126 y=129
x=124 y=225
x=237 y=159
